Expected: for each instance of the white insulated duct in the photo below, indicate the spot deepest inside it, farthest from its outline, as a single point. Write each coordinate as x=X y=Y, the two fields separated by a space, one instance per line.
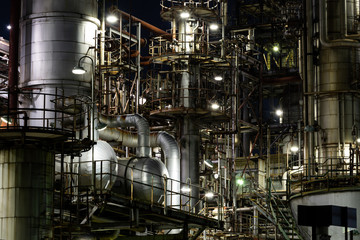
x=135 y=120
x=162 y=139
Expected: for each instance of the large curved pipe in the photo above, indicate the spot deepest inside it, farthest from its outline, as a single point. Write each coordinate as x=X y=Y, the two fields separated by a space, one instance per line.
x=162 y=139
x=171 y=150
x=135 y=120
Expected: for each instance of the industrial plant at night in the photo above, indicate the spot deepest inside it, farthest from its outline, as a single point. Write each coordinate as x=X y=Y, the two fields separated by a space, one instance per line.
x=240 y=120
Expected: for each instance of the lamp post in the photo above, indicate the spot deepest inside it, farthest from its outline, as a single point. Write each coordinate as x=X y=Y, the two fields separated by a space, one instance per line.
x=79 y=70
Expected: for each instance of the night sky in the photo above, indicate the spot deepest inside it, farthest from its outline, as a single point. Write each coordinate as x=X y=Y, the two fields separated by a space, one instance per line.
x=4 y=18
x=148 y=11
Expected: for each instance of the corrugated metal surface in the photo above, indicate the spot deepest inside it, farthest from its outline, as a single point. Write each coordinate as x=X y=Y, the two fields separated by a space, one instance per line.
x=26 y=193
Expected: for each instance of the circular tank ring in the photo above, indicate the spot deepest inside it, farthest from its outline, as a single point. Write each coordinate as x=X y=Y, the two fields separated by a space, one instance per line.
x=63 y=15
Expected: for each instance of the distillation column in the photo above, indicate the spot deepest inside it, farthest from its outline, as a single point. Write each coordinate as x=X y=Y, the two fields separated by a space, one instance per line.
x=54 y=35
x=338 y=105
x=335 y=112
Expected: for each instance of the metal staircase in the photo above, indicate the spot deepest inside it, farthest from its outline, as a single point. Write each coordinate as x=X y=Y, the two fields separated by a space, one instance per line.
x=277 y=211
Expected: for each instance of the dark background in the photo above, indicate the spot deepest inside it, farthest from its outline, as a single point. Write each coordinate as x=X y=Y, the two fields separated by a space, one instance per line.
x=147 y=10
x=4 y=18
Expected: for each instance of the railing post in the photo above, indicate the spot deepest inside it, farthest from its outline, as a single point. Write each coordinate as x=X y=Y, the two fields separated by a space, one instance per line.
x=132 y=186
x=152 y=190
x=165 y=195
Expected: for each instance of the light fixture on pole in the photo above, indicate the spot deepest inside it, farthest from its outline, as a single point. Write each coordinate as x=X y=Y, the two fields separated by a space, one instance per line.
x=184 y=15
x=218 y=78
x=111 y=18
x=209 y=195
x=279 y=112
x=215 y=106
x=294 y=148
x=214 y=26
x=78 y=70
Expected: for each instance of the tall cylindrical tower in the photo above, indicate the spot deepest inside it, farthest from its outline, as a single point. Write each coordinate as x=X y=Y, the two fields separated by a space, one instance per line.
x=54 y=36
x=334 y=114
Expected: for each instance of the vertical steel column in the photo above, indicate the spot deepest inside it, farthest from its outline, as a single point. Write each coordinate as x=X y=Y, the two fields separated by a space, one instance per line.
x=190 y=145
x=14 y=53
x=26 y=193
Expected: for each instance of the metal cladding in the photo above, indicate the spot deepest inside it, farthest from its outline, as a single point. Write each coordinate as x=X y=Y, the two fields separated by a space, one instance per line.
x=126 y=138
x=190 y=145
x=106 y=167
x=26 y=193
x=133 y=120
x=162 y=139
x=54 y=35
x=148 y=177
x=338 y=107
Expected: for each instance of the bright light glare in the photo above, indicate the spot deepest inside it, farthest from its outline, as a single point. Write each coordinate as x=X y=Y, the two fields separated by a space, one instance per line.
x=78 y=70
x=6 y=119
x=8 y=27
x=111 y=19
x=184 y=15
x=218 y=78
x=214 y=26
x=215 y=106
x=358 y=140
x=208 y=164
x=186 y=189
x=209 y=195
x=240 y=181
x=216 y=176
x=142 y=100
x=276 y=49
x=294 y=148
x=279 y=112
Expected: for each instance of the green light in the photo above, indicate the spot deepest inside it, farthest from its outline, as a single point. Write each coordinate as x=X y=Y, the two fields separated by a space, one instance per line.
x=240 y=181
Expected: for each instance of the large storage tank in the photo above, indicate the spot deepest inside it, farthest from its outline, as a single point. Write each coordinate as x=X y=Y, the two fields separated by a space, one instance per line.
x=54 y=36
x=105 y=164
x=147 y=176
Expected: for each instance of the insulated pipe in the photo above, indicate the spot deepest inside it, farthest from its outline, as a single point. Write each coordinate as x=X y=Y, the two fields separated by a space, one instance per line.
x=137 y=121
x=162 y=139
x=172 y=155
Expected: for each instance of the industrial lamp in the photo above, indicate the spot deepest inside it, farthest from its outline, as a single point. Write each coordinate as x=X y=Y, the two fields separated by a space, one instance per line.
x=111 y=18
x=218 y=78
x=214 y=27
x=184 y=15
x=240 y=181
x=78 y=70
x=101 y=126
x=186 y=189
x=294 y=148
x=215 y=106
x=209 y=195
x=279 y=112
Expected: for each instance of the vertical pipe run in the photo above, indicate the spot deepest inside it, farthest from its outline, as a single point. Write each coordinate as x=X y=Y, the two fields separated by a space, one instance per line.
x=14 y=54
x=190 y=144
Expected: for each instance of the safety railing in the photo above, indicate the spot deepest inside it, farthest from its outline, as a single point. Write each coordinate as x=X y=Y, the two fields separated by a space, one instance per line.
x=186 y=43
x=329 y=173
x=50 y=112
x=210 y=4
x=82 y=187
